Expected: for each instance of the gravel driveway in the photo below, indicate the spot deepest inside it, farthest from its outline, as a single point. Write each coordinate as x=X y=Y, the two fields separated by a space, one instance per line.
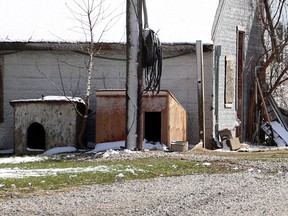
x=261 y=189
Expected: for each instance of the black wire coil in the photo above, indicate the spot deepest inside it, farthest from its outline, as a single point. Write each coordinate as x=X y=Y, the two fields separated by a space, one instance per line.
x=152 y=61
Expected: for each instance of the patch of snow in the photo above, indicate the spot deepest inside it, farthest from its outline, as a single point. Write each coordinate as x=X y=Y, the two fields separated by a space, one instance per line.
x=108 y=145
x=128 y=151
x=110 y=152
x=174 y=166
x=243 y=150
x=132 y=171
x=25 y=159
x=119 y=145
x=251 y=148
x=120 y=175
x=21 y=173
x=58 y=150
x=70 y=157
x=223 y=150
x=207 y=164
x=52 y=98
x=156 y=146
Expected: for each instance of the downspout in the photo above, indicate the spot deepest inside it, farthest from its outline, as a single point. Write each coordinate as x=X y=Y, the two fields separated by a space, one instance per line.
x=145 y=14
x=216 y=90
x=201 y=92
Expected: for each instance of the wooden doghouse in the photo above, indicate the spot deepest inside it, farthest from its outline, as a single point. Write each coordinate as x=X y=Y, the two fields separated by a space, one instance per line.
x=165 y=119
x=45 y=123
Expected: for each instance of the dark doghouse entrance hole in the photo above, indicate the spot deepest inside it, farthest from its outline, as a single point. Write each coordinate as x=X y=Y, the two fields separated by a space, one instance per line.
x=153 y=126
x=36 y=136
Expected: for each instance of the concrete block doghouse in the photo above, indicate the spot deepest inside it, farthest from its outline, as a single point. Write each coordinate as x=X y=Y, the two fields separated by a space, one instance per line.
x=45 y=123
x=165 y=120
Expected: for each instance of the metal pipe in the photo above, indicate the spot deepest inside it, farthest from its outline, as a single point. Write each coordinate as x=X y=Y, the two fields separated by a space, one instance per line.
x=216 y=92
x=145 y=15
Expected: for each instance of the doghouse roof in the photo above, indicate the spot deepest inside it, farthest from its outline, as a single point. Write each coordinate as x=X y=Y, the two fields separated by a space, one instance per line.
x=50 y=99
x=122 y=93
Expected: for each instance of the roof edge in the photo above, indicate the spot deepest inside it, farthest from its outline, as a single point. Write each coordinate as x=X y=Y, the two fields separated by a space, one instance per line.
x=82 y=47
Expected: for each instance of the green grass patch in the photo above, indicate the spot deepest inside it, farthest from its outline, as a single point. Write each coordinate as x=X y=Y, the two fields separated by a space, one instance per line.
x=254 y=156
x=144 y=168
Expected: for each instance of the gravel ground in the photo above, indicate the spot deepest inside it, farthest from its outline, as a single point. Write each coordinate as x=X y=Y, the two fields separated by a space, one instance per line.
x=261 y=189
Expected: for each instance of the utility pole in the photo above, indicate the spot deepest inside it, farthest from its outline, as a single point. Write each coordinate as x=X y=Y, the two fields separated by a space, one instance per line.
x=134 y=76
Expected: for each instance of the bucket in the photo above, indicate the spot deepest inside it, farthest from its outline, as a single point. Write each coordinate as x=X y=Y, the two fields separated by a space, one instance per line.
x=179 y=146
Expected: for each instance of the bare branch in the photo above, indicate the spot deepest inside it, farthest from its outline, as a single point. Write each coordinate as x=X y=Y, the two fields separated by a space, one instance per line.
x=45 y=75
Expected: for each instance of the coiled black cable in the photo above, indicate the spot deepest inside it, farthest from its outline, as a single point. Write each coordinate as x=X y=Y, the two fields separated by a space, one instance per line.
x=152 y=61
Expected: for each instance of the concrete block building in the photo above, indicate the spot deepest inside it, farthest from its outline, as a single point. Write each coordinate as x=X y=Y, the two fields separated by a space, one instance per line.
x=236 y=35
x=30 y=70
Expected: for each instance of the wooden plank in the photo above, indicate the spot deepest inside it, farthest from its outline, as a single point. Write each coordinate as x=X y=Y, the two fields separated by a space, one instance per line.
x=266 y=116
x=229 y=81
x=110 y=119
x=177 y=122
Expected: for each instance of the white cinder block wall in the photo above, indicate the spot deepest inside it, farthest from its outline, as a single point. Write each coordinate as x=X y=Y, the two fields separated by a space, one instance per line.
x=31 y=74
x=230 y=16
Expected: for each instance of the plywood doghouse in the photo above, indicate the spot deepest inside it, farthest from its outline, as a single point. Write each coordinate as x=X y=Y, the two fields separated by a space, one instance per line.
x=165 y=119
x=45 y=123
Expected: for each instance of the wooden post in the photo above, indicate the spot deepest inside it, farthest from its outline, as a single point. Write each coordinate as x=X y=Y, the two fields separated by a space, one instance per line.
x=134 y=75
x=201 y=95
x=263 y=101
